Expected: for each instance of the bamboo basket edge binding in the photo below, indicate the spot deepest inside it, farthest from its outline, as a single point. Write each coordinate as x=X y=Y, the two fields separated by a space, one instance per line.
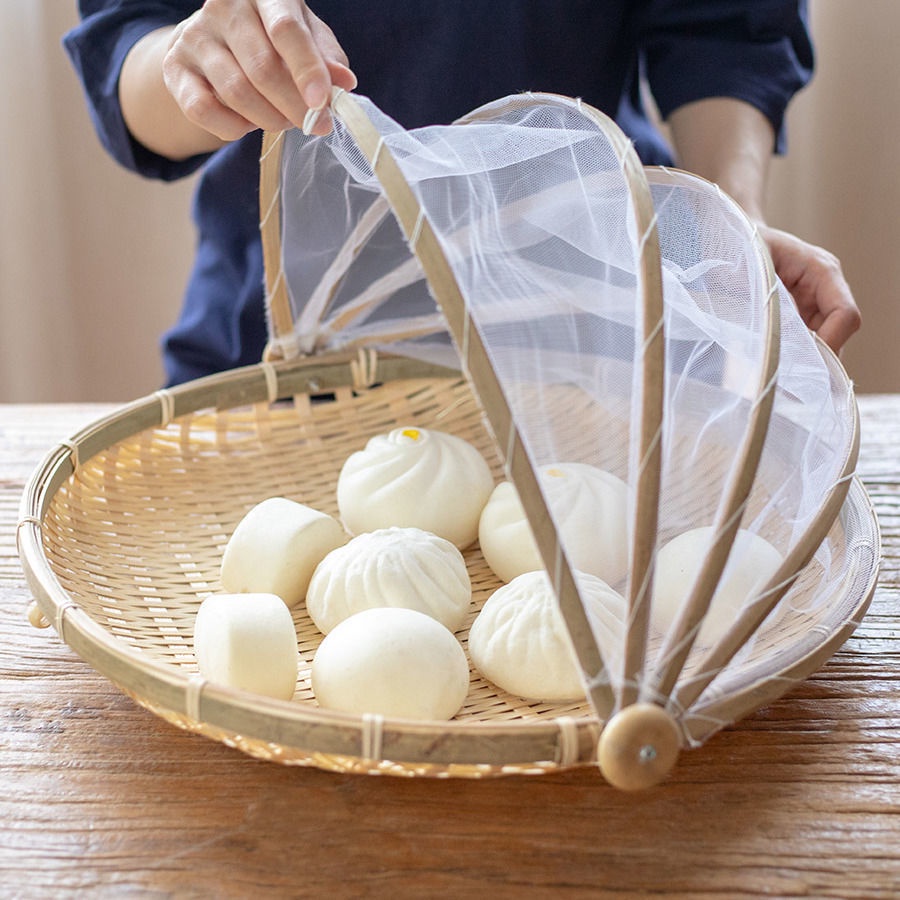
x=354 y=745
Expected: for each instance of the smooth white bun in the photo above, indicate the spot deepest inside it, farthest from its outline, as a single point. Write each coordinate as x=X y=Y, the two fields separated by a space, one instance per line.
x=247 y=641
x=591 y=509
x=401 y=567
x=519 y=640
x=397 y=663
x=414 y=477
x=276 y=547
x=752 y=563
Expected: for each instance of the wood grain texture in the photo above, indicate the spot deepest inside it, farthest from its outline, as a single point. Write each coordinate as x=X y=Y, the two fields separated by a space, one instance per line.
x=100 y=798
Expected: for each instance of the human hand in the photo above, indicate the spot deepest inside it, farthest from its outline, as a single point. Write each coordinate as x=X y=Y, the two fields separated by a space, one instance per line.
x=238 y=65
x=815 y=280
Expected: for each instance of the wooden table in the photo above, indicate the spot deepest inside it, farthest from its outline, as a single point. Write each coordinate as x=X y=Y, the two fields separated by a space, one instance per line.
x=100 y=798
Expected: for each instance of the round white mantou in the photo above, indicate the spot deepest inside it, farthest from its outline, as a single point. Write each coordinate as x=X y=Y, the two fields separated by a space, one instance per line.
x=403 y=567
x=276 y=548
x=519 y=640
x=753 y=561
x=419 y=478
x=590 y=507
x=398 y=663
x=247 y=641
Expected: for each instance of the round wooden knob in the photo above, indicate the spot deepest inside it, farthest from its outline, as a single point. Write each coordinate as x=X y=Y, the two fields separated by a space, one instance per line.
x=638 y=747
x=36 y=617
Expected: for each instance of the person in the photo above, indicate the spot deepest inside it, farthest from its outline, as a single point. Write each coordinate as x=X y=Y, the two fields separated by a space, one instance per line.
x=178 y=85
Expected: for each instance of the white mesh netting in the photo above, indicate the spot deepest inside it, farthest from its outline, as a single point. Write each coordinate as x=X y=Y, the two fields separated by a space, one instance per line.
x=556 y=242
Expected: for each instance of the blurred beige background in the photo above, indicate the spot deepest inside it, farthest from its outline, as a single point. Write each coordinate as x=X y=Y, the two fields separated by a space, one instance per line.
x=93 y=259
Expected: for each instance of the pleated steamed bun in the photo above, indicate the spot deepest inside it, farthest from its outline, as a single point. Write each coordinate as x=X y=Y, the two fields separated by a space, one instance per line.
x=391 y=567
x=519 y=640
x=419 y=478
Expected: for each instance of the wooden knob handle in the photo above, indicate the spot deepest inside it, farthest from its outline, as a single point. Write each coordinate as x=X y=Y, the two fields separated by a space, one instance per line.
x=638 y=747
x=36 y=617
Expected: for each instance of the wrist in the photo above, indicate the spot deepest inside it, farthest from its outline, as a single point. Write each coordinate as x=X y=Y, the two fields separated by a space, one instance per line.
x=150 y=111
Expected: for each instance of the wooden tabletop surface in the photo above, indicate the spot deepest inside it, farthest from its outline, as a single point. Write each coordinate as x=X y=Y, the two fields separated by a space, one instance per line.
x=100 y=798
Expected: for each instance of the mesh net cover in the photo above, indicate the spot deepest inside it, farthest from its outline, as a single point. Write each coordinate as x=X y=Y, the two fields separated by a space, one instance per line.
x=606 y=315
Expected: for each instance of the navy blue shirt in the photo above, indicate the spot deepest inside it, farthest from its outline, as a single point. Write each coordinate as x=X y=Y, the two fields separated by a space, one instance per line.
x=429 y=63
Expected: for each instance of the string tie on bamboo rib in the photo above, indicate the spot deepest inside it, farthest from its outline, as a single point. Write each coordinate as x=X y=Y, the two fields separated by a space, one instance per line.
x=279 y=137
x=60 y=620
x=648 y=235
x=363 y=369
x=270 y=373
x=166 y=407
x=770 y=386
x=567 y=745
x=193 y=691
x=26 y=520
x=417 y=229
x=310 y=119
x=72 y=447
x=372 y=736
x=313 y=115
x=273 y=205
x=282 y=347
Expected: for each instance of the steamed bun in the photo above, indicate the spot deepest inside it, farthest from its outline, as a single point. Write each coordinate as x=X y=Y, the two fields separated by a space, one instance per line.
x=519 y=640
x=247 y=641
x=276 y=547
x=591 y=508
x=397 y=663
x=415 y=477
x=752 y=563
x=401 y=567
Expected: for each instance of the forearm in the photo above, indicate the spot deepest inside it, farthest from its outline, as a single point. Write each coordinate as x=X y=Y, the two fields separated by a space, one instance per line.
x=728 y=142
x=150 y=111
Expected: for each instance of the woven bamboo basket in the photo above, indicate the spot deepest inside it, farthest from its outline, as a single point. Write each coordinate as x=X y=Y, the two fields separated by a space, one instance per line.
x=122 y=529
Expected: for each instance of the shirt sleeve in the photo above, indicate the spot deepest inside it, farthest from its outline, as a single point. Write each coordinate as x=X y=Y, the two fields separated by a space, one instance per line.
x=97 y=47
x=758 y=51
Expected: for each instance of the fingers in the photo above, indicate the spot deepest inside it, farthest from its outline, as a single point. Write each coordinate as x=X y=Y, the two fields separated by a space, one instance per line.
x=201 y=105
x=817 y=283
x=839 y=322
x=208 y=77
x=236 y=65
x=306 y=46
